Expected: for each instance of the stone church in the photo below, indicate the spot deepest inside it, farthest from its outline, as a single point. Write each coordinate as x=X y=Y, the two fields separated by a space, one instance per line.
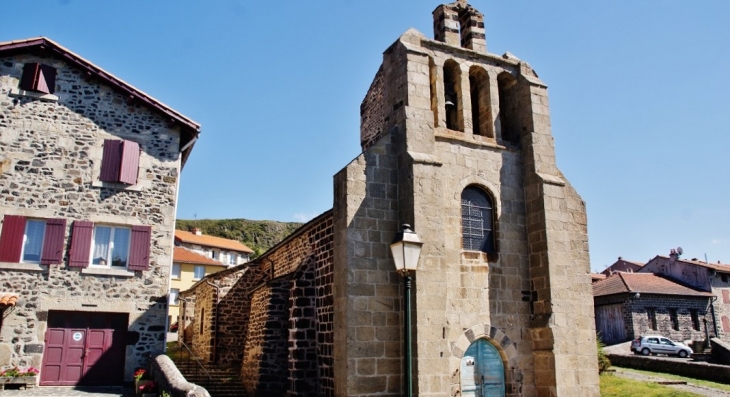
x=455 y=142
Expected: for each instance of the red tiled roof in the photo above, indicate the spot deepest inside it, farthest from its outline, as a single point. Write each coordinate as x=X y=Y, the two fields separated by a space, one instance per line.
x=190 y=127
x=210 y=241
x=645 y=283
x=722 y=268
x=597 y=276
x=184 y=255
x=8 y=299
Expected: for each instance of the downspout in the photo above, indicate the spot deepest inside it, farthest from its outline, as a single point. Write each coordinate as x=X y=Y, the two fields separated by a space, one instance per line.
x=215 y=320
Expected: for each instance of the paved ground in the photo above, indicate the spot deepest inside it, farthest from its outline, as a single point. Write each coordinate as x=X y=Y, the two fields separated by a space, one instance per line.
x=71 y=392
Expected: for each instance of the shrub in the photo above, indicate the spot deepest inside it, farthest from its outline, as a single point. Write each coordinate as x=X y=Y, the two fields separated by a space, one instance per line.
x=603 y=362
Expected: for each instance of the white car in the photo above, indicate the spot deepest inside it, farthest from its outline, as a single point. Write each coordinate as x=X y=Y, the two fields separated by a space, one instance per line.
x=657 y=344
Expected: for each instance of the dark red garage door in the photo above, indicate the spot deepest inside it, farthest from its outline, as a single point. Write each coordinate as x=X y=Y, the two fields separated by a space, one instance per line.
x=84 y=348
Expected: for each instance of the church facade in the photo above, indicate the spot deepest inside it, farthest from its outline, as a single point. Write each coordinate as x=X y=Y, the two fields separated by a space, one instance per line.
x=455 y=142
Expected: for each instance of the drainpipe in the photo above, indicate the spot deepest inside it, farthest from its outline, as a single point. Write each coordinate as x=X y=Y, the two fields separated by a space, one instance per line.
x=215 y=320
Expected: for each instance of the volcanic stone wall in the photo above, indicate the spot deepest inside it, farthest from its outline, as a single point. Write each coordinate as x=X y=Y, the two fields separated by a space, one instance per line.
x=273 y=316
x=51 y=153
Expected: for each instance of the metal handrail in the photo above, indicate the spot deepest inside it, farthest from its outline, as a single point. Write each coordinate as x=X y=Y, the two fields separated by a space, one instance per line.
x=191 y=356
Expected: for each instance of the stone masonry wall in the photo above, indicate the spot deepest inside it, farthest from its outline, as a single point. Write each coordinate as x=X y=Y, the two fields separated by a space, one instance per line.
x=54 y=152
x=661 y=305
x=279 y=305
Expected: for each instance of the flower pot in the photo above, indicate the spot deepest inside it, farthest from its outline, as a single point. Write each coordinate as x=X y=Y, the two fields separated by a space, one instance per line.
x=28 y=381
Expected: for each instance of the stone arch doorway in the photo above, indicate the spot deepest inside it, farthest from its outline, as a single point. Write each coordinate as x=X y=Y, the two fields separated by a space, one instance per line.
x=482 y=371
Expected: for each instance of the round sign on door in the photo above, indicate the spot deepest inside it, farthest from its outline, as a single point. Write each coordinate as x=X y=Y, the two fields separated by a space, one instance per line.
x=77 y=336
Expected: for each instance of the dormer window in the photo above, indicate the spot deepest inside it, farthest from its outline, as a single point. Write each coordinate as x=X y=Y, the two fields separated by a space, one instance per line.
x=38 y=77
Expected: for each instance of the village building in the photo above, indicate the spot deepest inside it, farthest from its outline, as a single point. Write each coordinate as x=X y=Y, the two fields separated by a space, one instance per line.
x=456 y=142
x=710 y=277
x=89 y=175
x=622 y=265
x=226 y=251
x=629 y=305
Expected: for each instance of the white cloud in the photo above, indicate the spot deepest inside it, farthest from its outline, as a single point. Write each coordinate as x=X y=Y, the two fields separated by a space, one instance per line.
x=717 y=241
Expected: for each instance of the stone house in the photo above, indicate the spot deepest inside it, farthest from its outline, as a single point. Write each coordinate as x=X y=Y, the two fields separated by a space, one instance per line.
x=628 y=305
x=709 y=277
x=456 y=142
x=89 y=177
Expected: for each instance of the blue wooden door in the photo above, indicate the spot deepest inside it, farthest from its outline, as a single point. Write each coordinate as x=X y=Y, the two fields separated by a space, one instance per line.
x=482 y=371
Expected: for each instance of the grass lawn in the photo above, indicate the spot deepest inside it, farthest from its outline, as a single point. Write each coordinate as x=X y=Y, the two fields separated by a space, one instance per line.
x=614 y=386
x=699 y=382
x=173 y=350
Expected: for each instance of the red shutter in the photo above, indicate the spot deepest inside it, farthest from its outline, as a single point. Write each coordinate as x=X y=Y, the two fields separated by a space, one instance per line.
x=53 y=242
x=30 y=73
x=725 y=324
x=725 y=296
x=111 y=160
x=139 y=250
x=11 y=238
x=81 y=244
x=130 y=162
x=46 y=81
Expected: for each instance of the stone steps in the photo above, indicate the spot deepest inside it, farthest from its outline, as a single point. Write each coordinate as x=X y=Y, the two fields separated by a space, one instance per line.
x=223 y=382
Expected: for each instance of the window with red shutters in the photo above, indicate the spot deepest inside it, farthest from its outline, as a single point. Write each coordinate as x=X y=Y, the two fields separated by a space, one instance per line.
x=32 y=240
x=38 y=77
x=120 y=161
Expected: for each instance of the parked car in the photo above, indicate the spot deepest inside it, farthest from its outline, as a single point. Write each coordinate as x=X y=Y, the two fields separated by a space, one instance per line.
x=657 y=344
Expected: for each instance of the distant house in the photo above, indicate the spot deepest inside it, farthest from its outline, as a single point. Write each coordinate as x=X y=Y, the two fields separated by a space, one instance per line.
x=597 y=277
x=631 y=304
x=228 y=252
x=709 y=277
x=188 y=267
x=622 y=265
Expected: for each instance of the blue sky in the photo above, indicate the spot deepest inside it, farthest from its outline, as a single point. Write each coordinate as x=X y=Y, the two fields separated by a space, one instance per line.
x=639 y=96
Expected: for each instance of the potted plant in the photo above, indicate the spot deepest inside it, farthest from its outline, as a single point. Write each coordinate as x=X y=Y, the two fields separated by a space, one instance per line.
x=142 y=384
x=21 y=376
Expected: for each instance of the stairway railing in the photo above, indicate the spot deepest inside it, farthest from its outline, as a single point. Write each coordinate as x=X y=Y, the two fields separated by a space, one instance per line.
x=186 y=355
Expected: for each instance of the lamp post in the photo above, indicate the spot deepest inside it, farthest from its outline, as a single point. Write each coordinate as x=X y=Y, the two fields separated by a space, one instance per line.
x=406 y=249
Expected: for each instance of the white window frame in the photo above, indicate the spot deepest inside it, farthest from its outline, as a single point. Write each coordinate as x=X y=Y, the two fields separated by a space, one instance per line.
x=111 y=246
x=25 y=240
x=195 y=271
x=232 y=258
x=179 y=271
x=214 y=254
x=174 y=293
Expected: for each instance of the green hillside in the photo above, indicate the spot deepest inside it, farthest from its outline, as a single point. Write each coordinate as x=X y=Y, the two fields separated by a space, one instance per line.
x=258 y=235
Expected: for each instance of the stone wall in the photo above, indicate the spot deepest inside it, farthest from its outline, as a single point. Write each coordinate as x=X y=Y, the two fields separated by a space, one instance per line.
x=275 y=315
x=54 y=151
x=690 y=369
x=637 y=309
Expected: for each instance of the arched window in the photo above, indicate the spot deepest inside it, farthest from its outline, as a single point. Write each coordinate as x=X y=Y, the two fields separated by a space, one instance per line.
x=508 y=109
x=477 y=220
x=481 y=112
x=452 y=96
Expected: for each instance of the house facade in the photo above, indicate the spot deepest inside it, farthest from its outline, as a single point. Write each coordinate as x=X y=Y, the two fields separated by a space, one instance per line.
x=226 y=251
x=622 y=265
x=710 y=277
x=456 y=142
x=629 y=304
x=89 y=175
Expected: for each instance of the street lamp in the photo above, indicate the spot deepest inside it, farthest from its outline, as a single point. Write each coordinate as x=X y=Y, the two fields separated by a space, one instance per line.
x=406 y=249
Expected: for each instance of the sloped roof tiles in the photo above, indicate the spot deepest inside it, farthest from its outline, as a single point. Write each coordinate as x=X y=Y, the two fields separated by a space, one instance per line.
x=211 y=241
x=184 y=255
x=645 y=283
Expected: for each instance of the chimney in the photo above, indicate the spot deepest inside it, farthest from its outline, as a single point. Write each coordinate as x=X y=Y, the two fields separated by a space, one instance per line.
x=196 y=231
x=673 y=255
